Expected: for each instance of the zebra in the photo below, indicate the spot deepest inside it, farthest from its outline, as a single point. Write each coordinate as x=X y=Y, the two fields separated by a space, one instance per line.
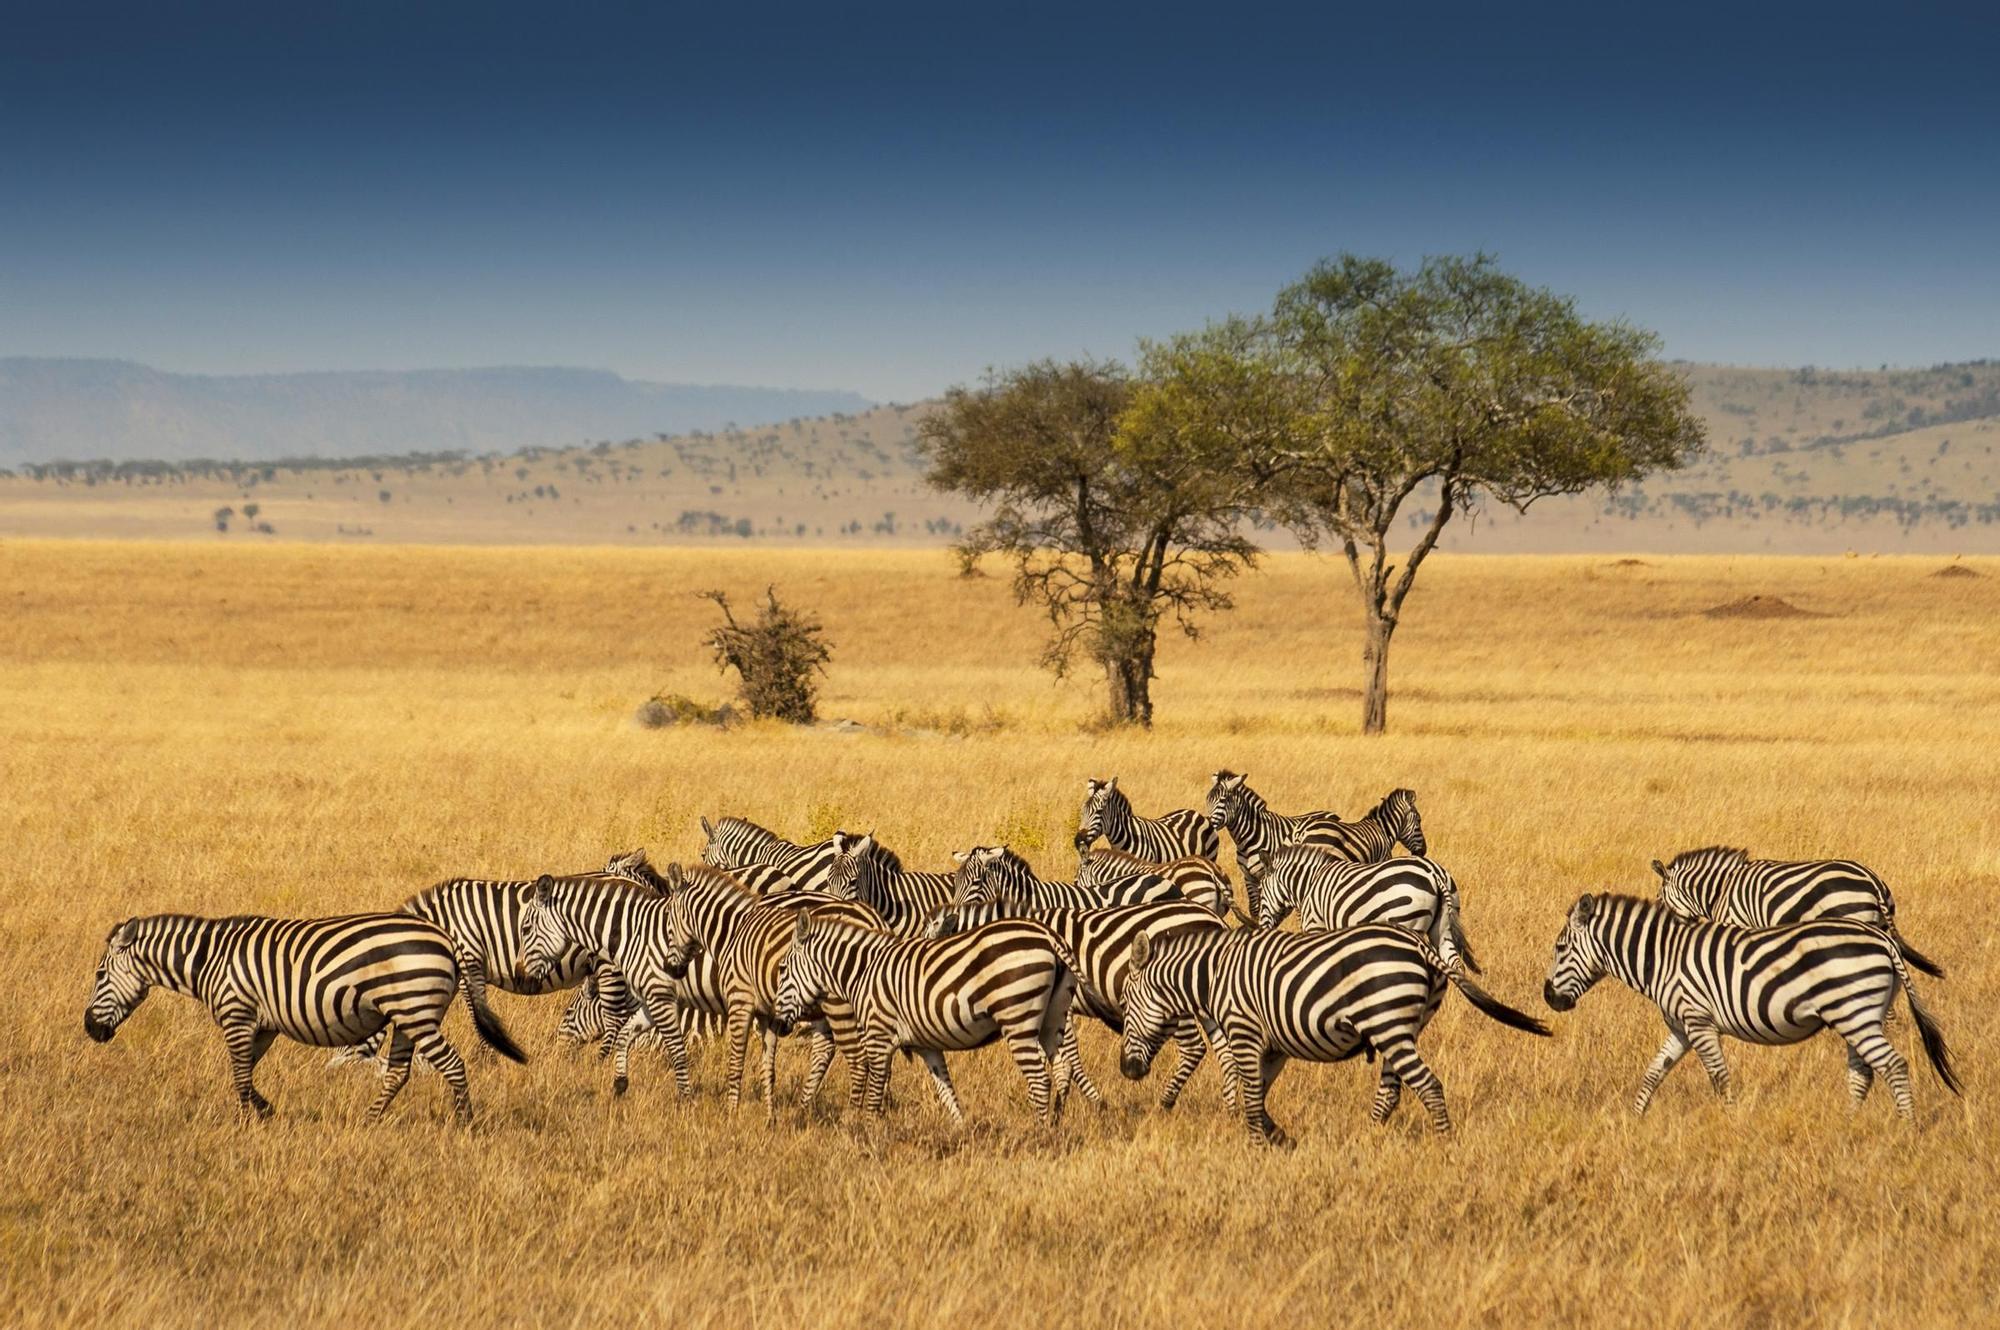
x=994 y=872
x=748 y=937
x=1764 y=986
x=1415 y=893
x=737 y=842
x=1199 y=879
x=1010 y=980
x=1253 y=828
x=1727 y=886
x=868 y=871
x=325 y=982
x=1101 y=941
x=1323 y=997
x=1108 y=813
x=622 y=925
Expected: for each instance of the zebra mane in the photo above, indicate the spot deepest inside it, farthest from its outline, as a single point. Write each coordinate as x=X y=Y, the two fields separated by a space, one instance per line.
x=1381 y=809
x=706 y=875
x=1726 y=853
x=758 y=830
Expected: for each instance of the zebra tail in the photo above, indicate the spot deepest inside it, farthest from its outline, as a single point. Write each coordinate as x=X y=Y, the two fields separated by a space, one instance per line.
x=1928 y=1031
x=1913 y=956
x=1463 y=947
x=472 y=978
x=1497 y=1009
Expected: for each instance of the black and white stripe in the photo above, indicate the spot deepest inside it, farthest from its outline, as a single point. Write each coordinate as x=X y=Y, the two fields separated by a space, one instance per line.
x=1726 y=886
x=1255 y=831
x=1200 y=880
x=1101 y=941
x=1764 y=986
x=1007 y=981
x=325 y=982
x=873 y=874
x=1108 y=813
x=996 y=873
x=1322 y=997
x=1330 y=892
x=737 y=843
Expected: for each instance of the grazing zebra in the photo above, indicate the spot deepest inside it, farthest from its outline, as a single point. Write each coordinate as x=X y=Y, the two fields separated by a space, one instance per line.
x=326 y=982
x=623 y=925
x=1414 y=893
x=1108 y=813
x=1199 y=879
x=1011 y=980
x=872 y=873
x=1764 y=986
x=1727 y=886
x=737 y=842
x=747 y=937
x=1323 y=997
x=1101 y=941
x=994 y=872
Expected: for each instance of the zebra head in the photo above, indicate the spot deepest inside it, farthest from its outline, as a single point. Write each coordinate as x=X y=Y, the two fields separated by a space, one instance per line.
x=542 y=938
x=715 y=850
x=984 y=874
x=583 y=1019
x=945 y=923
x=1149 y=1017
x=1579 y=960
x=851 y=856
x=119 y=987
x=635 y=866
x=1277 y=883
x=802 y=976
x=1090 y=823
x=1693 y=882
x=1398 y=815
x=1226 y=792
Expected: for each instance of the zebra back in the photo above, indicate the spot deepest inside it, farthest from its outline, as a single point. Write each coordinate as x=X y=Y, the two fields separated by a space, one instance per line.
x=737 y=842
x=1107 y=812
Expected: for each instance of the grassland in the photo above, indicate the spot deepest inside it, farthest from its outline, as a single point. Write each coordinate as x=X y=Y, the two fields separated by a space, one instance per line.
x=306 y=729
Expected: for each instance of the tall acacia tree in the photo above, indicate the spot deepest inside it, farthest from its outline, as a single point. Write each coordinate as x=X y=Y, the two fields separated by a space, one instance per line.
x=1436 y=390
x=1113 y=527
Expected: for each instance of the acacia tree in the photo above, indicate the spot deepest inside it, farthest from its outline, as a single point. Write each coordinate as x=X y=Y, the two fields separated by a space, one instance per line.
x=1112 y=527
x=1439 y=389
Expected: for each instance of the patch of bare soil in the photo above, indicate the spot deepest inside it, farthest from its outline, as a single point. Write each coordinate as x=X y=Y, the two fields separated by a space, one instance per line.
x=1957 y=570
x=1628 y=563
x=1760 y=607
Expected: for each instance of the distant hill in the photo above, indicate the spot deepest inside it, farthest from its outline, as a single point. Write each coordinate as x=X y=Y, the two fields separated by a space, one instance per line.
x=1801 y=460
x=81 y=410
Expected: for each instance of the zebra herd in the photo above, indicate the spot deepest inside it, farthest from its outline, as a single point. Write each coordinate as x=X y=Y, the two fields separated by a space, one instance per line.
x=838 y=942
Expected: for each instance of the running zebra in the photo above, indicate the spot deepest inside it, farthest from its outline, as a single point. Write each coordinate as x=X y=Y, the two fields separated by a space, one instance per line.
x=325 y=982
x=747 y=937
x=1010 y=980
x=1764 y=986
x=737 y=842
x=864 y=870
x=1727 y=886
x=1413 y=893
x=622 y=925
x=994 y=872
x=1199 y=879
x=1101 y=941
x=1322 y=997
x=1108 y=813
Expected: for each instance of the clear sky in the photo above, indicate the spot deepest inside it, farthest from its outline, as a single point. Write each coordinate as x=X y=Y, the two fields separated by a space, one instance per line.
x=890 y=198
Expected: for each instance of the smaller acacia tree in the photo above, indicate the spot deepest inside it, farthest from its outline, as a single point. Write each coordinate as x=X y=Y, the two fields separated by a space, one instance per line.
x=775 y=658
x=1111 y=526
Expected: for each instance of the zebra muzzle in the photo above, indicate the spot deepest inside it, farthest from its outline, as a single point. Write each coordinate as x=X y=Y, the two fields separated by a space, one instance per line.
x=1556 y=1001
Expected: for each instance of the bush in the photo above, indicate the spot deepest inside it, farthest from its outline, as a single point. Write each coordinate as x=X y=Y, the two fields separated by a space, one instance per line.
x=775 y=657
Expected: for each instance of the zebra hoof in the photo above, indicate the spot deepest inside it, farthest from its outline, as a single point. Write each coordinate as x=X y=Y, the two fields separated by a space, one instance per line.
x=620 y=1085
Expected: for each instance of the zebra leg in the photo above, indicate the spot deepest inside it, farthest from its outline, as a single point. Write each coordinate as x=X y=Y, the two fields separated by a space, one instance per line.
x=1412 y=1071
x=1254 y=1066
x=664 y=1009
x=940 y=1077
x=1188 y=1040
x=1034 y=1066
x=1071 y=1059
x=1388 y=1093
x=395 y=1071
x=1860 y=1078
x=247 y=1044
x=822 y=1058
x=1869 y=1045
x=739 y=1045
x=1708 y=1047
x=875 y=1054
x=770 y=1080
x=1671 y=1052
x=446 y=1062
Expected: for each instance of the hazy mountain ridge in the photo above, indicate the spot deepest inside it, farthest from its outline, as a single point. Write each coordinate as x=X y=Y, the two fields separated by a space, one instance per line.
x=53 y=409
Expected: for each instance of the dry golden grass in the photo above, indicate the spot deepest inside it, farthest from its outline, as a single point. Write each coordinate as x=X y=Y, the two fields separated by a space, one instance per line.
x=309 y=730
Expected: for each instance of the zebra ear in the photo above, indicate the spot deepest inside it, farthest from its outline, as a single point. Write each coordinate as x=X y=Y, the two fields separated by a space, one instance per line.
x=960 y=856
x=1142 y=950
x=544 y=889
x=1660 y=868
x=707 y=830
x=802 y=925
x=1585 y=907
x=121 y=935
x=1111 y=784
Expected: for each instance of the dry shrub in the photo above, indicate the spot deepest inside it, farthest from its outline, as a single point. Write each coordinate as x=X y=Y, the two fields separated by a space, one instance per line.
x=775 y=657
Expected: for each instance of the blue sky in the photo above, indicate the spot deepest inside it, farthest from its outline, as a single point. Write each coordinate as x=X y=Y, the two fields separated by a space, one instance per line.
x=890 y=198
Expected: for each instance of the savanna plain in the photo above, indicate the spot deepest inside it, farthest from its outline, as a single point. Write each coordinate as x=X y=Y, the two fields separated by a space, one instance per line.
x=309 y=730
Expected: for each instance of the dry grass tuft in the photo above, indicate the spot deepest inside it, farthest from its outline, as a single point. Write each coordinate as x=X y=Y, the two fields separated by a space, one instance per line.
x=308 y=729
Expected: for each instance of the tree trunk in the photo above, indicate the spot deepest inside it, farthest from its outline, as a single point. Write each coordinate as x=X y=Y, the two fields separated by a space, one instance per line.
x=1131 y=680
x=1375 y=667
